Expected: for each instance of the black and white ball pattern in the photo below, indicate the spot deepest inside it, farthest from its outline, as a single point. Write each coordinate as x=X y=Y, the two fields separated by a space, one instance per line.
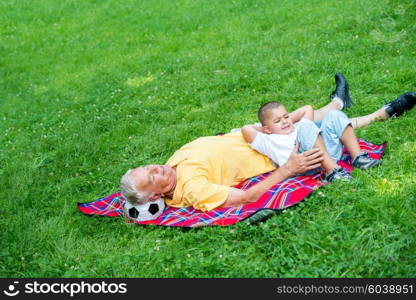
x=144 y=212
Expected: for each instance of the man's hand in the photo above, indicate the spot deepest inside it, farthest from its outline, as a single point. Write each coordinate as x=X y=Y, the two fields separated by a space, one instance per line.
x=297 y=163
x=306 y=161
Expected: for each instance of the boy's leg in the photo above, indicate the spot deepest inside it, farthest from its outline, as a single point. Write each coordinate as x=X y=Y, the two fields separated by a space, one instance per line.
x=378 y=115
x=308 y=136
x=349 y=140
x=337 y=131
x=333 y=127
x=328 y=163
x=357 y=122
x=394 y=108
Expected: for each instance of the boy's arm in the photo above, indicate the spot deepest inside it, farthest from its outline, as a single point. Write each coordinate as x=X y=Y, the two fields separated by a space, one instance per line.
x=249 y=132
x=303 y=112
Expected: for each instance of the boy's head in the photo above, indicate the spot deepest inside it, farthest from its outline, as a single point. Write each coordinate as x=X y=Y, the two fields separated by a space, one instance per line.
x=274 y=118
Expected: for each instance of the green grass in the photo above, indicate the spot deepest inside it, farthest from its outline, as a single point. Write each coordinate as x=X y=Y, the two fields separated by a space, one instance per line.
x=92 y=88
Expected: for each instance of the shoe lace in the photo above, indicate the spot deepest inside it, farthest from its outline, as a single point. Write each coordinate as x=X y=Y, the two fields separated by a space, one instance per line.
x=362 y=157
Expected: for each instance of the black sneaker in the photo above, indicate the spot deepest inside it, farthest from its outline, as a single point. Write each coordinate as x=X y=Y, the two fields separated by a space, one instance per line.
x=342 y=91
x=338 y=174
x=364 y=162
x=397 y=107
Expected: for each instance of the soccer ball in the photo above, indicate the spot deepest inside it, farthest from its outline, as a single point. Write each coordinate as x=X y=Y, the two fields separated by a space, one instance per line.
x=144 y=212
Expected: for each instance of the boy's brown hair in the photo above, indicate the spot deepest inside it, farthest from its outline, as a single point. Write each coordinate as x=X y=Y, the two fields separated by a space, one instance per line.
x=262 y=113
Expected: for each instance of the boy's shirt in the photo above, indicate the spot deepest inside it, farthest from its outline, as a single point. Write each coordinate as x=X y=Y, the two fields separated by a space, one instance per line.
x=277 y=147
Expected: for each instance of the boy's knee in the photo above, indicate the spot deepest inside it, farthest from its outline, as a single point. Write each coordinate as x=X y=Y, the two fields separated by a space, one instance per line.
x=306 y=127
x=306 y=124
x=334 y=117
x=307 y=133
x=335 y=122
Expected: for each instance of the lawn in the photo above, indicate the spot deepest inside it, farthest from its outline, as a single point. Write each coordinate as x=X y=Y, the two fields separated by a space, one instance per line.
x=90 y=89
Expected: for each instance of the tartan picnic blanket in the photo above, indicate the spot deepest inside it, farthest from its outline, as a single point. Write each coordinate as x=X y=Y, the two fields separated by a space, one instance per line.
x=284 y=194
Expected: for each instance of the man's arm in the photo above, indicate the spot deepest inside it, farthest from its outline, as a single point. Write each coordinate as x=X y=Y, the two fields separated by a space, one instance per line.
x=250 y=131
x=302 y=112
x=297 y=163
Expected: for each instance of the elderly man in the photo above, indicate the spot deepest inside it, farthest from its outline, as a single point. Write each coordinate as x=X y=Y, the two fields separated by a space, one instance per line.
x=203 y=172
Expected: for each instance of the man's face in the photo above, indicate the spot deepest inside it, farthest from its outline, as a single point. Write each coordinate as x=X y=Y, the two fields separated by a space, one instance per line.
x=157 y=179
x=278 y=121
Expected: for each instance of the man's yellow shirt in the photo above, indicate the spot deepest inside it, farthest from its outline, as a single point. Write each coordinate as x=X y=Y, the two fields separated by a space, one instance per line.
x=208 y=166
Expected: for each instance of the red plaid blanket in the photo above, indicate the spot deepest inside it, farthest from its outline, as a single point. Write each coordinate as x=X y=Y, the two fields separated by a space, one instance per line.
x=281 y=196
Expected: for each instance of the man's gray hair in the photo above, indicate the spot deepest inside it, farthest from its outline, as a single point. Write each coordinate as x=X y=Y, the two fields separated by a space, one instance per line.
x=129 y=190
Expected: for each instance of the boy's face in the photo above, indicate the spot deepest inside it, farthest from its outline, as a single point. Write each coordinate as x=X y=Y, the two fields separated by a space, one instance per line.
x=278 y=121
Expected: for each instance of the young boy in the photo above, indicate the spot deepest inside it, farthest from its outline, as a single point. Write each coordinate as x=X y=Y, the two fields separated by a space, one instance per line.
x=280 y=131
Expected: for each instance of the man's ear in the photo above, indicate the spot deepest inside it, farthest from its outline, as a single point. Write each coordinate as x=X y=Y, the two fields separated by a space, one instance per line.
x=266 y=129
x=156 y=196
